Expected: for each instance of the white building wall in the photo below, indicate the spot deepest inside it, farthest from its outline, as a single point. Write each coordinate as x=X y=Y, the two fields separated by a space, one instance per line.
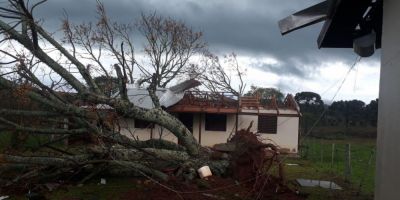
x=162 y=133
x=287 y=131
x=388 y=148
x=287 y=111
x=196 y=128
x=209 y=138
x=128 y=129
x=245 y=120
x=286 y=137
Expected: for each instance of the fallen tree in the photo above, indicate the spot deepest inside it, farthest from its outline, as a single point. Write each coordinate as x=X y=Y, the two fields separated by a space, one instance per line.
x=102 y=148
x=245 y=158
x=28 y=53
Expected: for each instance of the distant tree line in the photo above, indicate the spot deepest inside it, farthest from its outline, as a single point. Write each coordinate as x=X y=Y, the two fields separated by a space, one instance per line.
x=348 y=118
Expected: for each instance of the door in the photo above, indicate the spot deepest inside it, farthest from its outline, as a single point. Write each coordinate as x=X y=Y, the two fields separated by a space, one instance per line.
x=187 y=120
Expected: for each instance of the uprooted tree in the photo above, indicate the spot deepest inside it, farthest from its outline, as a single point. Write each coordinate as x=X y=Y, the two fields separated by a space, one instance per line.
x=62 y=80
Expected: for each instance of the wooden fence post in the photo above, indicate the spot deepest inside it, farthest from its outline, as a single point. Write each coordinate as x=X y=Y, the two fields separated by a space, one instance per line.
x=333 y=155
x=322 y=152
x=372 y=154
x=347 y=167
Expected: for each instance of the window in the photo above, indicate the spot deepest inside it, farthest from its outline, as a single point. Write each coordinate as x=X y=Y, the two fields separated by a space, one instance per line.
x=142 y=124
x=267 y=124
x=215 y=122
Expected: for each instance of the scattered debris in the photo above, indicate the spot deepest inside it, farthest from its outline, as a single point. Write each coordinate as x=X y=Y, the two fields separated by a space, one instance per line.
x=217 y=188
x=213 y=196
x=51 y=186
x=146 y=182
x=251 y=157
x=284 y=151
x=292 y=164
x=239 y=168
x=189 y=174
x=224 y=147
x=316 y=183
x=204 y=172
x=34 y=196
x=4 y=197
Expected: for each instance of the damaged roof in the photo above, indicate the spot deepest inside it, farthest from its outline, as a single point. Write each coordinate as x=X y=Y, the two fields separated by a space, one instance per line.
x=167 y=96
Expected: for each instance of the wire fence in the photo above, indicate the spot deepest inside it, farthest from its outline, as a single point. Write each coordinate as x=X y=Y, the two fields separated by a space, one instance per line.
x=318 y=155
x=353 y=161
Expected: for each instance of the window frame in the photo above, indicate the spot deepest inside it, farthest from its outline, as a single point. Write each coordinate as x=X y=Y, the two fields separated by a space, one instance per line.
x=210 y=118
x=268 y=125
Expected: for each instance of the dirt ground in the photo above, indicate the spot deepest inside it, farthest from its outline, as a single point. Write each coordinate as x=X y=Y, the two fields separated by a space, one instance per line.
x=213 y=188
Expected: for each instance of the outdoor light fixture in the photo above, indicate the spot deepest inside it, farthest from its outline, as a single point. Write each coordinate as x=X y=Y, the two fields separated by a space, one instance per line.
x=365 y=46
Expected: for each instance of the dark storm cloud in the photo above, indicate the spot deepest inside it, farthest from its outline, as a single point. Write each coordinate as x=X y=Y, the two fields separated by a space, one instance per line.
x=247 y=27
x=285 y=87
x=288 y=70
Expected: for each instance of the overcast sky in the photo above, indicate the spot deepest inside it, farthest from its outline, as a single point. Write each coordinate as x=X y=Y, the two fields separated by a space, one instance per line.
x=292 y=63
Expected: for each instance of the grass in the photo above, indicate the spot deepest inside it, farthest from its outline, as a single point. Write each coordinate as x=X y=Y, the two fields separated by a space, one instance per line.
x=93 y=190
x=316 y=163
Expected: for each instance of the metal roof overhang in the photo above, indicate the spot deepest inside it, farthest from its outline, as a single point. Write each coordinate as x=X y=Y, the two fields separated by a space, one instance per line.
x=339 y=30
x=345 y=20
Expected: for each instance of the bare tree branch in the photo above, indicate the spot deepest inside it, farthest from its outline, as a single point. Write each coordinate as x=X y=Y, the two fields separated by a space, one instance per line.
x=215 y=77
x=169 y=45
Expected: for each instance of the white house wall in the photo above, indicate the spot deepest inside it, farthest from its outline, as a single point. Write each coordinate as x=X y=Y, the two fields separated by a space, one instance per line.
x=128 y=129
x=209 y=138
x=287 y=111
x=162 y=133
x=286 y=137
x=287 y=131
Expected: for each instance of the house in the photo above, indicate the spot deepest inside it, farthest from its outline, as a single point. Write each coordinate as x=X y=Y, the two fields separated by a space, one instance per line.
x=214 y=117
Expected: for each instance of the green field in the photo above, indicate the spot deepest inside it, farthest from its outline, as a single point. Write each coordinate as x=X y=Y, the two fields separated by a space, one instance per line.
x=316 y=163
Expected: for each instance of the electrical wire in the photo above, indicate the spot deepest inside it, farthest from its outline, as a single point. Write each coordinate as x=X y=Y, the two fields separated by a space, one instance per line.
x=317 y=121
x=179 y=193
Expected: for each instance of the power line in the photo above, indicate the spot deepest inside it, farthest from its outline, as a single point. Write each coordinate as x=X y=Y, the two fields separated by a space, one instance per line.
x=333 y=98
x=358 y=58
